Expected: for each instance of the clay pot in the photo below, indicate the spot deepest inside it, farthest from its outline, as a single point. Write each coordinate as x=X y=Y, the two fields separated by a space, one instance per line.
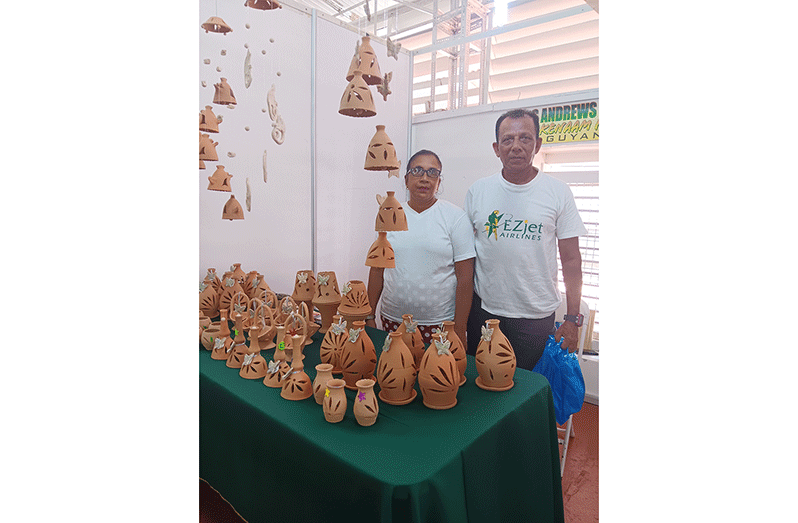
x=365 y=61
x=208 y=336
x=354 y=304
x=239 y=350
x=304 y=287
x=412 y=338
x=297 y=385
x=232 y=209
x=215 y=24
x=326 y=298
x=208 y=300
x=495 y=359
x=224 y=93
x=358 y=358
x=381 y=154
x=208 y=122
x=332 y=346
x=381 y=253
x=438 y=377
x=219 y=180
x=457 y=349
x=207 y=148
x=395 y=372
x=366 y=408
x=357 y=100
x=254 y=365
x=323 y=375
x=334 y=404
x=391 y=216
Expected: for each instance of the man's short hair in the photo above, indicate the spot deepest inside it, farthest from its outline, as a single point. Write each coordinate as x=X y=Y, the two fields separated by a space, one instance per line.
x=519 y=113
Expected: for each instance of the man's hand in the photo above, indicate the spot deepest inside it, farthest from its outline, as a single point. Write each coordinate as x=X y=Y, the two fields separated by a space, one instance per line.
x=569 y=331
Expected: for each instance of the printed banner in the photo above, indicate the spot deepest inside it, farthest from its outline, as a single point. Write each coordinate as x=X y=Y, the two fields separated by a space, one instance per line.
x=578 y=122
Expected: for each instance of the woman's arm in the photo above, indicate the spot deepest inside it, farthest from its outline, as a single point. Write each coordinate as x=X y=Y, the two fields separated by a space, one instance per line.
x=374 y=289
x=464 y=271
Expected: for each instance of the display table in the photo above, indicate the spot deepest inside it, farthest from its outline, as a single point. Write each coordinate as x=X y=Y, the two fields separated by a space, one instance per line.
x=491 y=458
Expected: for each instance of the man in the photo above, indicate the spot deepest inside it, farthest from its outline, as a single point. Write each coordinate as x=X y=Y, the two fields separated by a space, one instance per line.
x=521 y=217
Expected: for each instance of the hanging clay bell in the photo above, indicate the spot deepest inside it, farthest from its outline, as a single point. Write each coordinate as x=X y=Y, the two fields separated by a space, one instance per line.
x=263 y=5
x=358 y=358
x=357 y=100
x=207 y=148
x=220 y=180
x=334 y=404
x=391 y=216
x=224 y=93
x=354 y=304
x=366 y=408
x=232 y=210
x=381 y=154
x=332 y=346
x=215 y=24
x=323 y=375
x=208 y=121
x=395 y=372
x=495 y=359
x=381 y=253
x=365 y=61
x=326 y=298
x=438 y=377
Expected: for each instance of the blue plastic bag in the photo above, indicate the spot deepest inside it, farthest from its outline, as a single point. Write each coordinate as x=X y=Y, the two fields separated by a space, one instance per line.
x=562 y=370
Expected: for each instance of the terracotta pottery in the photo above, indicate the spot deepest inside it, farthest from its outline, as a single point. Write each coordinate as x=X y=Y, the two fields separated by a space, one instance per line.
x=232 y=210
x=238 y=273
x=395 y=372
x=224 y=93
x=208 y=121
x=236 y=357
x=391 y=216
x=263 y=5
x=412 y=338
x=381 y=253
x=239 y=304
x=365 y=61
x=207 y=149
x=269 y=301
x=261 y=315
x=212 y=279
x=357 y=100
x=334 y=404
x=366 y=408
x=297 y=385
x=231 y=289
x=296 y=324
x=208 y=300
x=326 y=298
x=354 y=304
x=381 y=154
x=204 y=323
x=208 y=336
x=457 y=348
x=495 y=359
x=215 y=24
x=254 y=365
x=304 y=287
x=254 y=283
x=278 y=367
x=220 y=180
x=311 y=327
x=332 y=346
x=438 y=377
x=284 y=309
x=358 y=358
x=222 y=347
x=202 y=164
x=323 y=375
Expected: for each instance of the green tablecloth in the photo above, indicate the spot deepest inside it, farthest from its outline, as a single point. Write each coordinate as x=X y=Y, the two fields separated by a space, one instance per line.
x=491 y=458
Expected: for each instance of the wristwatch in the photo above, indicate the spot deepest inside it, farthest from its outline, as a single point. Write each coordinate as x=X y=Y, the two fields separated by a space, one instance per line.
x=578 y=319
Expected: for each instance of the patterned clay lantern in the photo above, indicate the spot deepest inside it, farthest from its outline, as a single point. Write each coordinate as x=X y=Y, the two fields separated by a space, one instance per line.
x=207 y=148
x=326 y=298
x=457 y=349
x=278 y=367
x=212 y=279
x=254 y=365
x=224 y=93
x=366 y=407
x=332 y=346
x=358 y=358
x=391 y=216
x=381 y=154
x=354 y=304
x=412 y=338
x=495 y=359
x=438 y=377
x=395 y=372
x=208 y=121
x=231 y=288
x=297 y=385
x=304 y=287
x=365 y=61
x=232 y=210
x=334 y=404
x=208 y=300
x=323 y=375
x=357 y=100
x=381 y=253
x=238 y=273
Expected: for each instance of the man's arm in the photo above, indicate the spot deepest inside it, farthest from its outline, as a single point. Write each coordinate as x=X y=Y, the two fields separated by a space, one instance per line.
x=571 y=260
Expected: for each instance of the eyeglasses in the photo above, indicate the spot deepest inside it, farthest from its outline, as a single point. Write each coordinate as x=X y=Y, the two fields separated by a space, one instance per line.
x=418 y=172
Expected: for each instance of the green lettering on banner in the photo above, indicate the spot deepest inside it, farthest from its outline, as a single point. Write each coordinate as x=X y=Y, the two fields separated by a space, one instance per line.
x=558 y=114
x=593 y=110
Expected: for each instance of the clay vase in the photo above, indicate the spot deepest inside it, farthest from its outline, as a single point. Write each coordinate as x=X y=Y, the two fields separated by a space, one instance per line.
x=358 y=358
x=438 y=377
x=381 y=253
x=495 y=359
x=304 y=287
x=297 y=385
x=412 y=338
x=326 y=298
x=332 y=346
x=366 y=408
x=232 y=209
x=208 y=122
x=457 y=349
x=208 y=336
x=207 y=149
x=323 y=375
x=239 y=350
x=395 y=372
x=391 y=216
x=208 y=300
x=334 y=404
x=215 y=24
x=224 y=93
x=278 y=367
x=254 y=365
x=381 y=154
x=219 y=180
x=354 y=304
x=357 y=100
x=365 y=61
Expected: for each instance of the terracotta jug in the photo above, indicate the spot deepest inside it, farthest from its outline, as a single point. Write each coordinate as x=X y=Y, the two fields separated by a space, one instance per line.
x=208 y=122
x=278 y=367
x=457 y=348
x=381 y=253
x=495 y=359
x=357 y=100
x=358 y=359
x=208 y=300
x=395 y=372
x=334 y=404
x=412 y=338
x=323 y=375
x=254 y=365
x=365 y=61
x=326 y=298
x=240 y=349
x=232 y=209
x=366 y=408
x=354 y=304
x=297 y=385
x=224 y=93
x=381 y=154
x=391 y=216
x=438 y=377
x=332 y=346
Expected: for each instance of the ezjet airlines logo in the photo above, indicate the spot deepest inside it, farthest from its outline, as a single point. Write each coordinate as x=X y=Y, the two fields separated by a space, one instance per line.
x=501 y=226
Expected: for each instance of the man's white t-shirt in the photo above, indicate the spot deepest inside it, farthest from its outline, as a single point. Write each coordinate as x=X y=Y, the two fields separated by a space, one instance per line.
x=517 y=228
x=423 y=283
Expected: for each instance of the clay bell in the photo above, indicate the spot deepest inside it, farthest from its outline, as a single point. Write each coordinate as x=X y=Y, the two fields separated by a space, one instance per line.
x=224 y=93
x=391 y=216
x=381 y=154
x=357 y=100
x=381 y=253
x=263 y=5
x=215 y=24
x=219 y=180
x=365 y=61
x=232 y=209
x=207 y=148
x=208 y=121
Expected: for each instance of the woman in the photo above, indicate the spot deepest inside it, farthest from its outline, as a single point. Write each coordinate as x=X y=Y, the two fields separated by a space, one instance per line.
x=434 y=275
